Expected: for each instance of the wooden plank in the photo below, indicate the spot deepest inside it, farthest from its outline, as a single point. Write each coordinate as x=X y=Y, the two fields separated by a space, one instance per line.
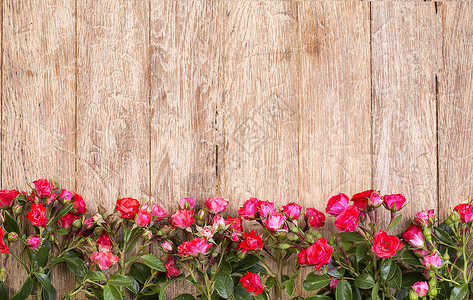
x=113 y=100
x=456 y=106
x=38 y=130
x=258 y=113
x=185 y=85
x=405 y=45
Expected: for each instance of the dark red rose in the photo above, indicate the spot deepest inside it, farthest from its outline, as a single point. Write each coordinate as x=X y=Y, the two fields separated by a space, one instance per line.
x=315 y=218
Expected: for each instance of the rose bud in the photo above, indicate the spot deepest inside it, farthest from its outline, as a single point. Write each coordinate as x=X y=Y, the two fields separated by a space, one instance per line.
x=12 y=237
x=98 y=231
x=88 y=223
x=394 y=202
x=33 y=241
x=421 y=288
x=200 y=215
x=241 y=254
x=167 y=246
x=186 y=203
x=17 y=209
x=284 y=246
x=147 y=235
x=413 y=295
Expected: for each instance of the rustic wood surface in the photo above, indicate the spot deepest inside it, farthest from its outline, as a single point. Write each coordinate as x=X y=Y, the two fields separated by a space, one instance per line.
x=284 y=101
x=406 y=39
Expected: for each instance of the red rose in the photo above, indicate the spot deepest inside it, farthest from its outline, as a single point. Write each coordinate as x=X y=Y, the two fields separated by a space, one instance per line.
x=143 y=218
x=37 y=215
x=249 y=209
x=292 y=210
x=302 y=256
x=361 y=199
x=385 y=245
x=182 y=218
x=315 y=218
x=7 y=197
x=3 y=247
x=104 y=240
x=194 y=247
x=337 y=204
x=252 y=241
x=216 y=204
x=275 y=221
x=171 y=269
x=67 y=220
x=319 y=253
x=235 y=223
x=252 y=283
x=394 y=202
x=413 y=235
x=348 y=219
x=465 y=211
x=79 y=204
x=128 y=207
x=43 y=187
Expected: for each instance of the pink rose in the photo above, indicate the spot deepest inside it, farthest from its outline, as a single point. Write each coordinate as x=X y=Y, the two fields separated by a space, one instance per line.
x=424 y=217
x=337 y=204
x=37 y=215
x=43 y=187
x=182 y=218
x=67 y=220
x=421 y=252
x=65 y=195
x=206 y=232
x=104 y=240
x=265 y=208
x=235 y=223
x=158 y=212
x=143 y=218
x=33 y=241
x=104 y=258
x=186 y=203
x=166 y=245
x=7 y=197
x=348 y=219
x=465 y=211
x=292 y=210
x=216 y=204
x=89 y=223
x=51 y=198
x=302 y=256
x=79 y=204
x=367 y=199
x=275 y=221
x=333 y=282
x=249 y=209
x=315 y=218
x=413 y=235
x=193 y=247
x=394 y=202
x=218 y=222
x=235 y=236
x=432 y=260
x=421 y=288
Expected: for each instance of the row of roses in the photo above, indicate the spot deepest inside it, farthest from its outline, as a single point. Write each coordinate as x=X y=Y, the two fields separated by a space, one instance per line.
x=108 y=252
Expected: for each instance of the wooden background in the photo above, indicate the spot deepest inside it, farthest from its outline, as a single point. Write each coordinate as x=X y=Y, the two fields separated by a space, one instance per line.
x=280 y=100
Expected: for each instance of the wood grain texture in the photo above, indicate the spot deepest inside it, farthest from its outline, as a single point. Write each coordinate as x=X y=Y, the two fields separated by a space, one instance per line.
x=113 y=101
x=38 y=93
x=258 y=113
x=456 y=106
x=185 y=85
x=405 y=45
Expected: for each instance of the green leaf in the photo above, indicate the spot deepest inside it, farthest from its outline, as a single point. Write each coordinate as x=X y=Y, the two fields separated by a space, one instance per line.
x=44 y=280
x=396 y=280
x=262 y=296
x=364 y=281
x=246 y=263
x=408 y=279
x=126 y=234
x=410 y=258
x=459 y=292
x=51 y=295
x=289 y=287
x=140 y=271
x=270 y=282
x=443 y=235
x=42 y=256
x=153 y=262
x=318 y=297
x=315 y=282
x=119 y=280
x=10 y=224
x=362 y=252
x=110 y=292
x=375 y=290
x=351 y=236
x=134 y=287
x=25 y=290
x=132 y=244
x=77 y=266
x=343 y=291
x=62 y=212
x=240 y=293
x=62 y=231
x=394 y=223
x=185 y=297
x=223 y=284
x=3 y=292
x=388 y=269
x=95 y=276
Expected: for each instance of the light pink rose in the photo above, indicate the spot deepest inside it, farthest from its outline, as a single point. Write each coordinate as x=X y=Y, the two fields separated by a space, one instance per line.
x=33 y=241
x=65 y=195
x=337 y=204
x=193 y=247
x=143 y=218
x=413 y=235
x=104 y=258
x=265 y=208
x=275 y=221
x=421 y=288
x=432 y=260
x=218 y=222
x=186 y=203
x=249 y=209
x=292 y=210
x=216 y=204
x=166 y=245
x=206 y=232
